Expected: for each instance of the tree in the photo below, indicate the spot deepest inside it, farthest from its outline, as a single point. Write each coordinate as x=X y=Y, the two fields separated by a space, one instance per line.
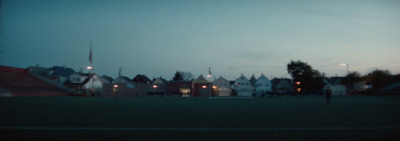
x=310 y=79
x=351 y=78
x=177 y=77
x=379 y=78
x=186 y=76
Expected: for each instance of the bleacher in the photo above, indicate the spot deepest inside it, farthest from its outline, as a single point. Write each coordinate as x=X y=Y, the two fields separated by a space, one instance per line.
x=18 y=82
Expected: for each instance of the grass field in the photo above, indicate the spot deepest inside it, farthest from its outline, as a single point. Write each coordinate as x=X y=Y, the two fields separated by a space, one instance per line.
x=277 y=118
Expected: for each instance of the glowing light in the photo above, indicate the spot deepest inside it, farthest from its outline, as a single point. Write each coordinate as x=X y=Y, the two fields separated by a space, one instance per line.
x=298 y=89
x=209 y=76
x=214 y=87
x=155 y=86
x=204 y=86
x=115 y=86
x=298 y=83
x=89 y=67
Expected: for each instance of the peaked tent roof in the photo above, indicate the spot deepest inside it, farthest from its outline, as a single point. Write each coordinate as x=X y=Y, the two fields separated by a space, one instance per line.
x=141 y=79
x=110 y=79
x=262 y=76
x=200 y=79
x=220 y=79
x=122 y=78
x=242 y=77
x=335 y=80
x=159 y=81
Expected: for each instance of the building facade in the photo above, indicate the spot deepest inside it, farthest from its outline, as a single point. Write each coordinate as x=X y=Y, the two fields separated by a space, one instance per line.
x=222 y=87
x=243 y=86
x=263 y=86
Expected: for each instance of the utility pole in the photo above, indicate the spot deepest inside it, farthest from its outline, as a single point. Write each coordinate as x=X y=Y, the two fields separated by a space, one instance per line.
x=348 y=79
x=209 y=79
x=119 y=75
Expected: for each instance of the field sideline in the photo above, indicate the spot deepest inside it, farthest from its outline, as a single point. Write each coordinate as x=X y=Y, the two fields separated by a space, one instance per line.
x=277 y=118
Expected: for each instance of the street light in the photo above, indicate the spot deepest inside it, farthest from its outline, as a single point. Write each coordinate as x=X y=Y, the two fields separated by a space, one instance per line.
x=115 y=90
x=348 y=74
x=91 y=88
x=209 y=87
x=90 y=67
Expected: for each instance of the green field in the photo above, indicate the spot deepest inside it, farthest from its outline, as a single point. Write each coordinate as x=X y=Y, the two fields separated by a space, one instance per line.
x=277 y=118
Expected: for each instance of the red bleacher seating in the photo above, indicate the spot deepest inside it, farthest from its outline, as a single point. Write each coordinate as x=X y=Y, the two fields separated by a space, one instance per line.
x=19 y=82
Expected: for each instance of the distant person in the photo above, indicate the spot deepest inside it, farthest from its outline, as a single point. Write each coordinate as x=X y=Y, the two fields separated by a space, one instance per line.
x=328 y=94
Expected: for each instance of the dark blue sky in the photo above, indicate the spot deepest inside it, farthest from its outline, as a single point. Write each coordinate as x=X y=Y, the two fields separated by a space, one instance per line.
x=159 y=37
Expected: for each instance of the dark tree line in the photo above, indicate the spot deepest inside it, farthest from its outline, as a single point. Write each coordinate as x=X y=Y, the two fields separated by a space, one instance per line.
x=311 y=80
x=183 y=76
x=378 y=78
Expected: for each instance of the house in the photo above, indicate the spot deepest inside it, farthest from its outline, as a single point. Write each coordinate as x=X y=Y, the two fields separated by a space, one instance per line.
x=108 y=86
x=142 y=86
x=201 y=87
x=59 y=74
x=106 y=79
x=159 y=81
x=125 y=87
x=243 y=86
x=141 y=79
x=282 y=86
x=158 y=87
x=334 y=83
x=180 y=88
x=222 y=86
x=85 y=83
x=121 y=80
x=253 y=81
x=263 y=85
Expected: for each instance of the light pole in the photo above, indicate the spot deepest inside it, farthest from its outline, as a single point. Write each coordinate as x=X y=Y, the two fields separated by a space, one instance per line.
x=91 y=88
x=209 y=79
x=115 y=90
x=348 y=75
x=209 y=87
x=90 y=68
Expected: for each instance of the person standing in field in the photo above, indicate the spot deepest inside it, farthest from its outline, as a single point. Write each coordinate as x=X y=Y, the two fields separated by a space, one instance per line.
x=328 y=94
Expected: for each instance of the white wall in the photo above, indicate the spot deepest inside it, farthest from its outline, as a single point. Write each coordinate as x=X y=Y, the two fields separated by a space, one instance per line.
x=337 y=90
x=94 y=83
x=263 y=85
x=243 y=86
x=223 y=86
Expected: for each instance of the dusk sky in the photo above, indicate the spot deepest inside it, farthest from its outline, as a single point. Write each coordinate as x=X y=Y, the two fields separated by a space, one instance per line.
x=159 y=37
